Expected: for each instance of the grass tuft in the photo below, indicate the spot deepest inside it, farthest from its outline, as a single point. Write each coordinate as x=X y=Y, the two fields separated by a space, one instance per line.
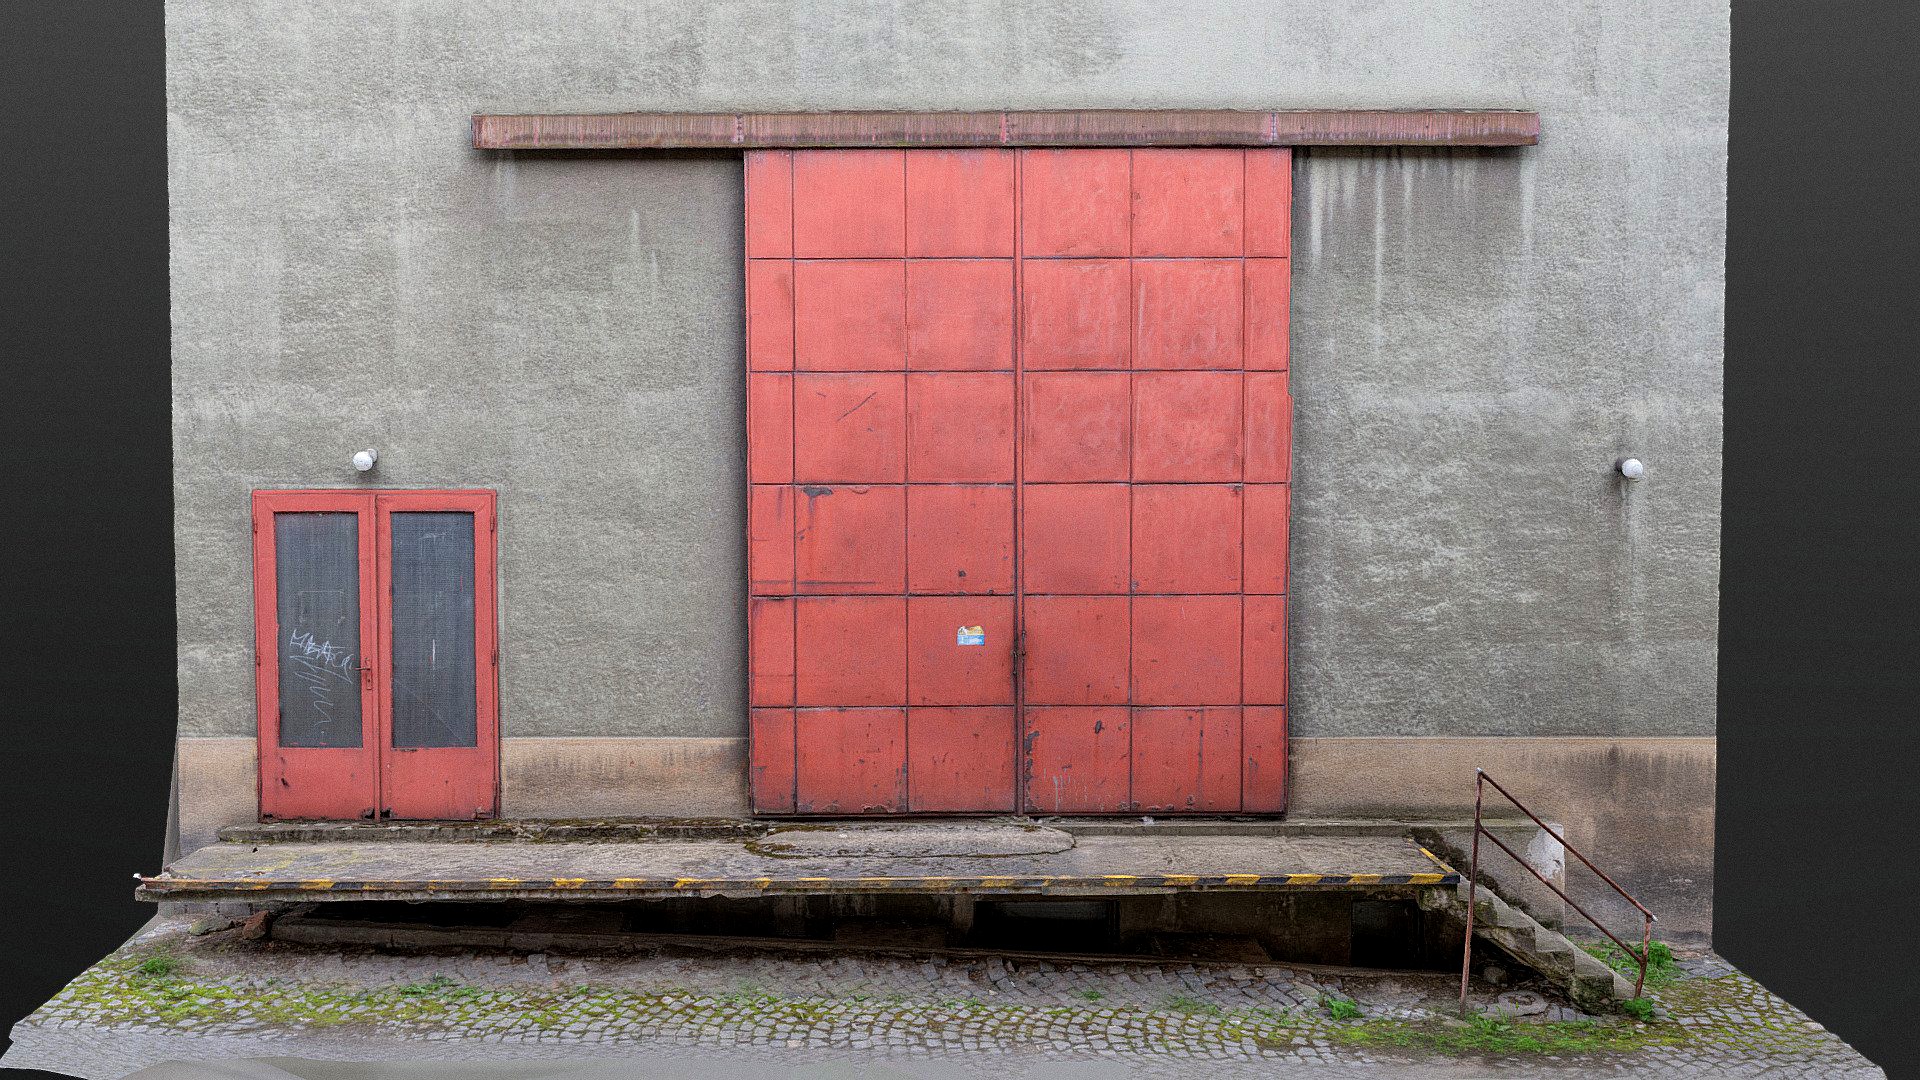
x=1498 y=1035
x=439 y=986
x=1186 y=1003
x=1340 y=1007
x=1662 y=971
x=160 y=966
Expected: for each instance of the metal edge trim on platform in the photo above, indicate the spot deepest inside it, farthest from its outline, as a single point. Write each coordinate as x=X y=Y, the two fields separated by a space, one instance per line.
x=1069 y=127
x=162 y=887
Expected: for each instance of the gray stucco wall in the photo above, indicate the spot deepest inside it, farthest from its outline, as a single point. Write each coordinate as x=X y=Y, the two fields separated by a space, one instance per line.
x=1477 y=334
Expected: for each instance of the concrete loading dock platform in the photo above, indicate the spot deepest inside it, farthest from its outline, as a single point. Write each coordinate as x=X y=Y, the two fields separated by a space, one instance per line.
x=298 y=863
x=1318 y=892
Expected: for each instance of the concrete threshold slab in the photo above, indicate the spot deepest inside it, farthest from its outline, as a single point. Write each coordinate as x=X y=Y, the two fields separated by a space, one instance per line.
x=1017 y=859
x=596 y=829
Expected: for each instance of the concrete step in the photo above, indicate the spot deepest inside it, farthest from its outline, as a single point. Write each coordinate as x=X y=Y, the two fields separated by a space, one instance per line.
x=1550 y=943
x=1588 y=981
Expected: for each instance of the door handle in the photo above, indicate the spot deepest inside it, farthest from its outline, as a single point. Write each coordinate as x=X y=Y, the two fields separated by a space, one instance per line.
x=367 y=674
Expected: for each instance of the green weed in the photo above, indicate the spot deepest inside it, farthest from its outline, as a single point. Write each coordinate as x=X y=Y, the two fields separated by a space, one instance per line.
x=1186 y=1003
x=1662 y=971
x=1499 y=1035
x=439 y=986
x=1340 y=1007
x=160 y=966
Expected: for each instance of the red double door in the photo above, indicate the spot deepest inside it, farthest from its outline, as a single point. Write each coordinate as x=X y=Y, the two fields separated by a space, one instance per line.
x=376 y=667
x=1018 y=455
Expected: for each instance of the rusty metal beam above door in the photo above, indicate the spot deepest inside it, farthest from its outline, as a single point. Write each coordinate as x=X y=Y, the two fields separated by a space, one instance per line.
x=1086 y=127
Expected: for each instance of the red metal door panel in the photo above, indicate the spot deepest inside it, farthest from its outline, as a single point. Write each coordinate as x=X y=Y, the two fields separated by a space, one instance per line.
x=849 y=316
x=850 y=761
x=1077 y=650
x=1263 y=742
x=850 y=650
x=1048 y=390
x=770 y=428
x=960 y=650
x=1266 y=538
x=1186 y=650
x=770 y=208
x=960 y=315
x=769 y=316
x=436 y=766
x=959 y=204
x=1269 y=427
x=1073 y=538
x=849 y=428
x=771 y=652
x=960 y=427
x=1269 y=204
x=960 y=760
x=1269 y=291
x=1186 y=760
x=1076 y=426
x=1073 y=313
x=1188 y=203
x=1188 y=425
x=959 y=538
x=770 y=768
x=1186 y=538
x=316 y=773
x=1264 y=669
x=1077 y=759
x=1186 y=313
x=849 y=204
x=850 y=538
x=1074 y=202
x=770 y=540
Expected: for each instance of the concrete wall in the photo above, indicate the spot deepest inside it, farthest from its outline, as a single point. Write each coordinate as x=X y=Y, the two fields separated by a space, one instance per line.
x=1477 y=334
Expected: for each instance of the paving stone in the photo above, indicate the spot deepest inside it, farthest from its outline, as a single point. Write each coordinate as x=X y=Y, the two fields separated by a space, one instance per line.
x=1186 y=1019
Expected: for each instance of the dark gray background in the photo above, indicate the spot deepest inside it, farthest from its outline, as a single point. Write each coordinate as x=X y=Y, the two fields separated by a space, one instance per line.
x=1820 y=656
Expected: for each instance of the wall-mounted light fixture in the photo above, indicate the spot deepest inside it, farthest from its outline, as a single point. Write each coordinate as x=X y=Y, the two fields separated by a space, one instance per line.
x=366 y=459
x=1631 y=468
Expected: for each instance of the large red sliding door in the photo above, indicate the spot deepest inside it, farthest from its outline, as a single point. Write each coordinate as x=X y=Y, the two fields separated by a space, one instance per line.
x=1018 y=445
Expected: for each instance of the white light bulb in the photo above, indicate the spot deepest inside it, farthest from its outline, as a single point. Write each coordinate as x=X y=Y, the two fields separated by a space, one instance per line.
x=1632 y=469
x=366 y=459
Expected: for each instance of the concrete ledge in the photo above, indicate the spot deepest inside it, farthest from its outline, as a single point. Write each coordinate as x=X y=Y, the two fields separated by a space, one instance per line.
x=1641 y=808
x=540 y=777
x=563 y=777
x=219 y=781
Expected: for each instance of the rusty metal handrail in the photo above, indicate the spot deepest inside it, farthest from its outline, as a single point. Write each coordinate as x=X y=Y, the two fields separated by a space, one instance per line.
x=1480 y=782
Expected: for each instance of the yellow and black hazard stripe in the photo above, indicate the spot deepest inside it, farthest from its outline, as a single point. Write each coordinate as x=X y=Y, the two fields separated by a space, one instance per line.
x=157 y=886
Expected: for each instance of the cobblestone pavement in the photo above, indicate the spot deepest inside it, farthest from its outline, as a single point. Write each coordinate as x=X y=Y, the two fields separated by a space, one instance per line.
x=168 y=995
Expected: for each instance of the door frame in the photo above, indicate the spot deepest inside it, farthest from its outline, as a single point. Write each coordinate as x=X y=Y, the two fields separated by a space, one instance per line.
x=366 y=777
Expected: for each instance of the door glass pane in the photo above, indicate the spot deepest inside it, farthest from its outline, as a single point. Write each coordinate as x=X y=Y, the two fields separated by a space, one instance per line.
x=317 y=568
x=433 y=661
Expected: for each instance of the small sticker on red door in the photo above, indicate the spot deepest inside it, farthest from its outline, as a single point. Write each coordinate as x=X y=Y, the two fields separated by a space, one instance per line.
x=972 y=635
